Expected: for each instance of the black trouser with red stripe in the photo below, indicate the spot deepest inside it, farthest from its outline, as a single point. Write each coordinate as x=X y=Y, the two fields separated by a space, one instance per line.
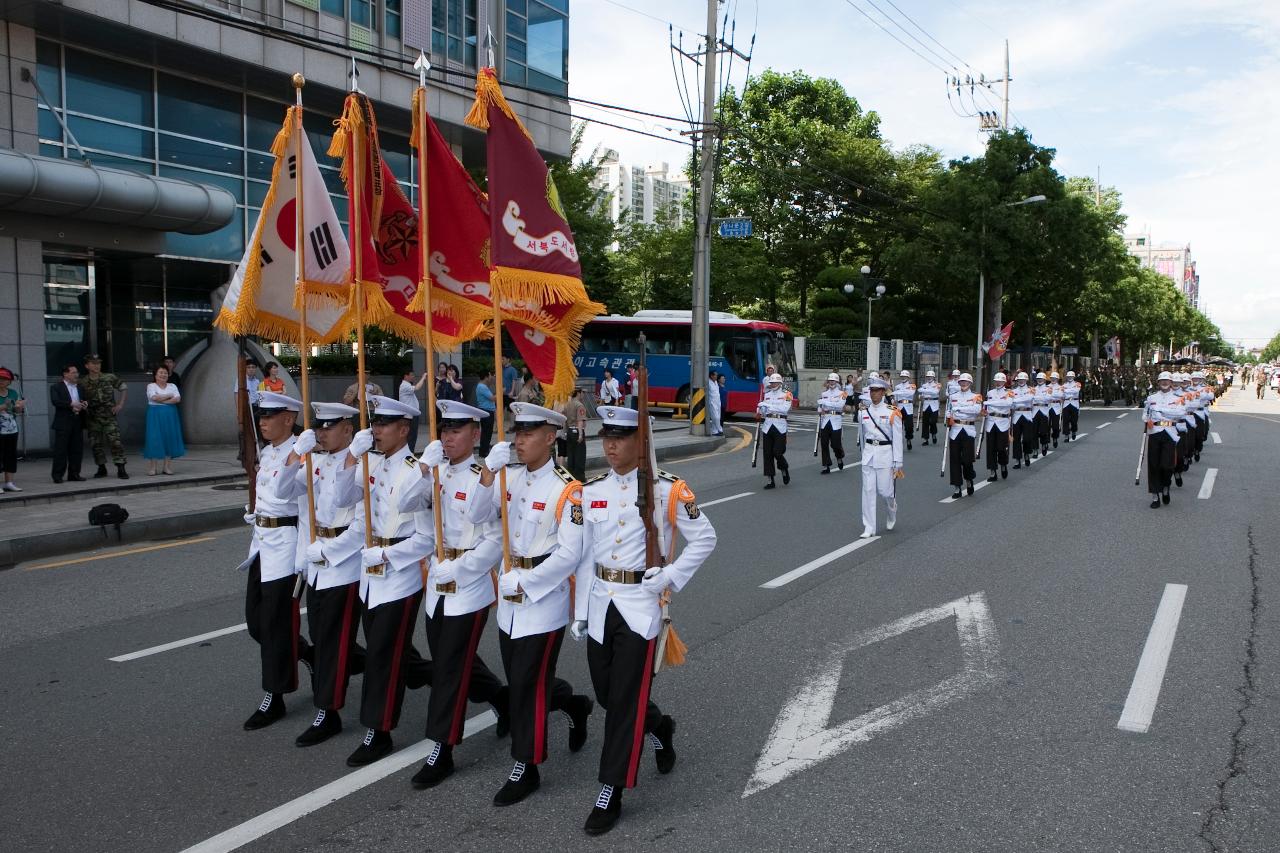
x=1070 y=420
x=272 y=616
x=388 y=630
x=960 y=458
x=997 y=449
x=333 y=619
x=530 y=664
x=1161 y=459
x=459 y=673
x=622 y=674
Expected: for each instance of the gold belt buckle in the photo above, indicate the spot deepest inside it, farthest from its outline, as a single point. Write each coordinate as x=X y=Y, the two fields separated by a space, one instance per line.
x=376 y=571
x=448 y=587
x=518 y=598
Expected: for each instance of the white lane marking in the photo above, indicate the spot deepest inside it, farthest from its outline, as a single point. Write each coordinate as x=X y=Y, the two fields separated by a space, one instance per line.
x=1122 y=415
x=1079 y=437
x=1145 y=690
x=255 y=828
x=189 y=641
x=979 y=485
x=850 y=465
x=725 y=500
x=1206 y=488
x=1217 y=439
x=1104 y=426
x=813 y=565
x=801 y=738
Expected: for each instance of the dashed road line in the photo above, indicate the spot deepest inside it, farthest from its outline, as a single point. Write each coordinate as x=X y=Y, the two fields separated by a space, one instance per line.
x=1217 y=439
x=189 y=641
x=1140 y=705
x=814 y=565
x=979 y=485
x=1206 y=488
x=1122 y=415
x=725 y=500
x=1104 y=426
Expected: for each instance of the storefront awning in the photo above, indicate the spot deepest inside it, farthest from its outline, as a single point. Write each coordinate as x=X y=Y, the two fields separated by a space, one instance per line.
x=72 y=189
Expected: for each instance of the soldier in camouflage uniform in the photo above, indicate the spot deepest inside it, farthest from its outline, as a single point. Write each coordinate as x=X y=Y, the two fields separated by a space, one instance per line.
x=98 y=390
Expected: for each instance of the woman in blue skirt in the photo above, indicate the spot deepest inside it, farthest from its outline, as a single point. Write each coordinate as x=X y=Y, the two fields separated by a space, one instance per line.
x=164 y=430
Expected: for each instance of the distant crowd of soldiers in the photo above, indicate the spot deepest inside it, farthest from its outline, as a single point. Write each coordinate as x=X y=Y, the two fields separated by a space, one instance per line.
x=1132 y=385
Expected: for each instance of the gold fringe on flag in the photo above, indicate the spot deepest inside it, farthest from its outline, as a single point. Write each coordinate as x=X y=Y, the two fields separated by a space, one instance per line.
x=489 y=93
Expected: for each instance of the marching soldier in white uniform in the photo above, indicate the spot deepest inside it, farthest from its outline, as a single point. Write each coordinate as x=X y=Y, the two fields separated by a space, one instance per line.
x=930 y=391
x=620 y=598
x=391 y=579
x=1055 y=407
x=962 y=431
x=544 y=517
x=953 y=385
x=998 y=426
x=271 y=611
x=882 y=438
x=333 y=577
x=1070 y=406
x=1164 y=411
x=1024 y=424
x=1040 y=399
x=904 y=397
x=1205 y=400
x=774 y=408
x=460 y=589
x=1186 y=426
x=831 y=405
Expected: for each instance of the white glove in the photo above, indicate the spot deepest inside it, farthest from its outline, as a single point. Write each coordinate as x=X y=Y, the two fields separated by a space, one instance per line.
x=578 y=629
x=509 y=582
x=444 y=571
x=304 y=443
x=433 y=455
x=499 y=456
x=315 y=552
x=250 y=518
x=655 y=580
x=361 y=443
x=371 y=557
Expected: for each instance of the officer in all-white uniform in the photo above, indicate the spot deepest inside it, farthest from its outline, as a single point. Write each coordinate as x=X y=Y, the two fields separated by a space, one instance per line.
x=1205 y=400
x=544 y=519
x=1055 y=406
x=1070 y=406
x=1186 y=425
x=1164 y=411
x=1024 y=424
x=460 y=589
x=930 y=391
x=271 y=611
x=831 y=405
x=904 y=397
x=620 y=597
x=391 y=580
x=333 y=577
x=882 y=439
x=774 y=408
x=998 y=427
x=962 y=431
x=1040 y=399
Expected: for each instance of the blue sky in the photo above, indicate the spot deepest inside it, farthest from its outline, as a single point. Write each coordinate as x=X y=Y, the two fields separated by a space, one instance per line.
x=1178 y=101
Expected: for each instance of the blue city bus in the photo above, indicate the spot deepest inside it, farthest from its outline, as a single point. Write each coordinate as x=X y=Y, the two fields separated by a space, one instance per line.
x=740 y=349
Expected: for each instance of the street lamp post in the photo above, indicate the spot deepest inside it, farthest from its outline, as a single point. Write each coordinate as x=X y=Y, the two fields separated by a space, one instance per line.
x=868 y=292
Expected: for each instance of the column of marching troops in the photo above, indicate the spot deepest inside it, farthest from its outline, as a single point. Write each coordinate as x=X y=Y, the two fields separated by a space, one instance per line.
x=578 y=563
x=1021 y=422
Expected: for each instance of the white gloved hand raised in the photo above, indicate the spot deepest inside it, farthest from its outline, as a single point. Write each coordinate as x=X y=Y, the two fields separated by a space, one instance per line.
x=578 y=629
x=304 y=443
x=361 y=443
x=499 y=456
x=655 y=581
x=433 y=454
x=315 y=552
x=509 y=582
x=372 y=557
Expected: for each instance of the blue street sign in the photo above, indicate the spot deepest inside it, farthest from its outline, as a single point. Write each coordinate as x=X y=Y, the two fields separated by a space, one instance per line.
x=735 y=228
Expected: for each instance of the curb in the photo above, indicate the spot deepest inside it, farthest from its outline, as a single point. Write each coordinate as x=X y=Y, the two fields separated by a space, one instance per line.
x=150 y=484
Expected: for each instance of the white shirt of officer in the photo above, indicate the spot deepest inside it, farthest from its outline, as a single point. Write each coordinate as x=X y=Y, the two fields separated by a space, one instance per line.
x=1040 y=395
x=881 y=423
x=276 y=493
x=1164 y=411
x=775 y=406
x=1055 y=394
x=831 y=405
x=1023 y=400
x=999 y=407
x=538 y=524
x=1071 y=392
x=929 y=393
x=336 y=490
x=904 y=395
x=963 y=410
x=614 y=538
x=953 y=385
x=1188 y=403
x=396 y=492
x=482 y=543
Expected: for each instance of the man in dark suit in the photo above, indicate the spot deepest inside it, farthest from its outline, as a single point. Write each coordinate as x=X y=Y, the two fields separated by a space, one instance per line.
x=68 y=424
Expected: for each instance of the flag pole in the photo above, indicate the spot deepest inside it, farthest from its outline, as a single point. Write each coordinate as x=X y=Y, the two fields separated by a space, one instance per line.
x=500 y=426
x=424 y=248
x=300 y=286
x=355 y=150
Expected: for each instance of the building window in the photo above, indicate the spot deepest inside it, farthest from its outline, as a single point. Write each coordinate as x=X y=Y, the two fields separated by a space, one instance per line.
x=394 y=15
x=360 y=14
x=548 y=43
x=68 y=305
x=454 y=31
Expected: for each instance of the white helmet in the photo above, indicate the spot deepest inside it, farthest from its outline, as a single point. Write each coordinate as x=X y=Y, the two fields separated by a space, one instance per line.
x=1040 y=376
x=774 y=379
x=1000 y=377
x=906 y=374
x=1197 y=374
x=1164 y=374
x=929 y=374
x=1022 y=375
x=1071 y=374
x=833 y=377
x=1054 y=375
x=955 y=372
x=964 y=377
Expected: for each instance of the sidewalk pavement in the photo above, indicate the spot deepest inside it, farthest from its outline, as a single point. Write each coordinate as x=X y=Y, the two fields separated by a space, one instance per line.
x=207 y=491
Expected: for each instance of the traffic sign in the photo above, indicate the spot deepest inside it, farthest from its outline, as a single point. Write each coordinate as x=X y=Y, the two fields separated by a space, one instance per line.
x=737 y=227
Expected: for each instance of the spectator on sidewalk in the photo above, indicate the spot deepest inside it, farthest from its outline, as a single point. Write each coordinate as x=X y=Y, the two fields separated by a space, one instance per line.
x=530 y=389
x=11 y=405
x=272 y=381
x=486 y=399
x=450 y=385
x=68 y=425
x=713 y=404
x=575 y=442
x=408 y=394
x=610 y=391
x=98 y=390
x=171 y=365
x=351 y=397
x=164 y=428
x=510 y=379
x=723 y=390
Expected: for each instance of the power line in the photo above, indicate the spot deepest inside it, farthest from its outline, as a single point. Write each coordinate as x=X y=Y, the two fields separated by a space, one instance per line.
x=910 y=35
x=927 y=34
x=890 y=34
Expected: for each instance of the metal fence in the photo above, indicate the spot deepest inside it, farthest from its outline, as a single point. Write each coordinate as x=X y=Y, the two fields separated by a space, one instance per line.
x=886 y=354
x=825 y=353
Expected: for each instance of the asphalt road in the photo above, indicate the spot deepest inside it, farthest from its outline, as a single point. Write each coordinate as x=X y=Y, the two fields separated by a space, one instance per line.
x=954 y=685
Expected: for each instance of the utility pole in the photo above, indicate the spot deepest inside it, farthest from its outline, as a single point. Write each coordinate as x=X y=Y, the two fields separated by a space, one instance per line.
x=701 y=330
x=1006 y=85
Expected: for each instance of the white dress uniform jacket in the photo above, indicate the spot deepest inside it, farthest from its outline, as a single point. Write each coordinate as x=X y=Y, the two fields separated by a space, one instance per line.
x=775 y=406
x=881 y=436
x=929 y=392
x=1164 y=412
x=472 y=587
x=544 y=517
x=396 y=487
x=904 y=395
x=1040 y=398
x=1207 y=396
x=999 y=410
x=337 y=491
x=1071 y=394
x=1023 y=400
x=614 y=539
x=276 y=496
x=831 y=403
x=1055 y=397
x=962 y=411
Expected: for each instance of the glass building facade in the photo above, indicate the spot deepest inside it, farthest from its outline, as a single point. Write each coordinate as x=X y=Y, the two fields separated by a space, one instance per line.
x=537 y=45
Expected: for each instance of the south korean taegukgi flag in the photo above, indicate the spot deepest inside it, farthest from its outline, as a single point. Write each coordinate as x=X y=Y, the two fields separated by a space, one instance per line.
x=263 y=297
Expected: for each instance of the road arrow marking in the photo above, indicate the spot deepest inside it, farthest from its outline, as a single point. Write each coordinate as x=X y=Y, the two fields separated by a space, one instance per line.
x=801 y=737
